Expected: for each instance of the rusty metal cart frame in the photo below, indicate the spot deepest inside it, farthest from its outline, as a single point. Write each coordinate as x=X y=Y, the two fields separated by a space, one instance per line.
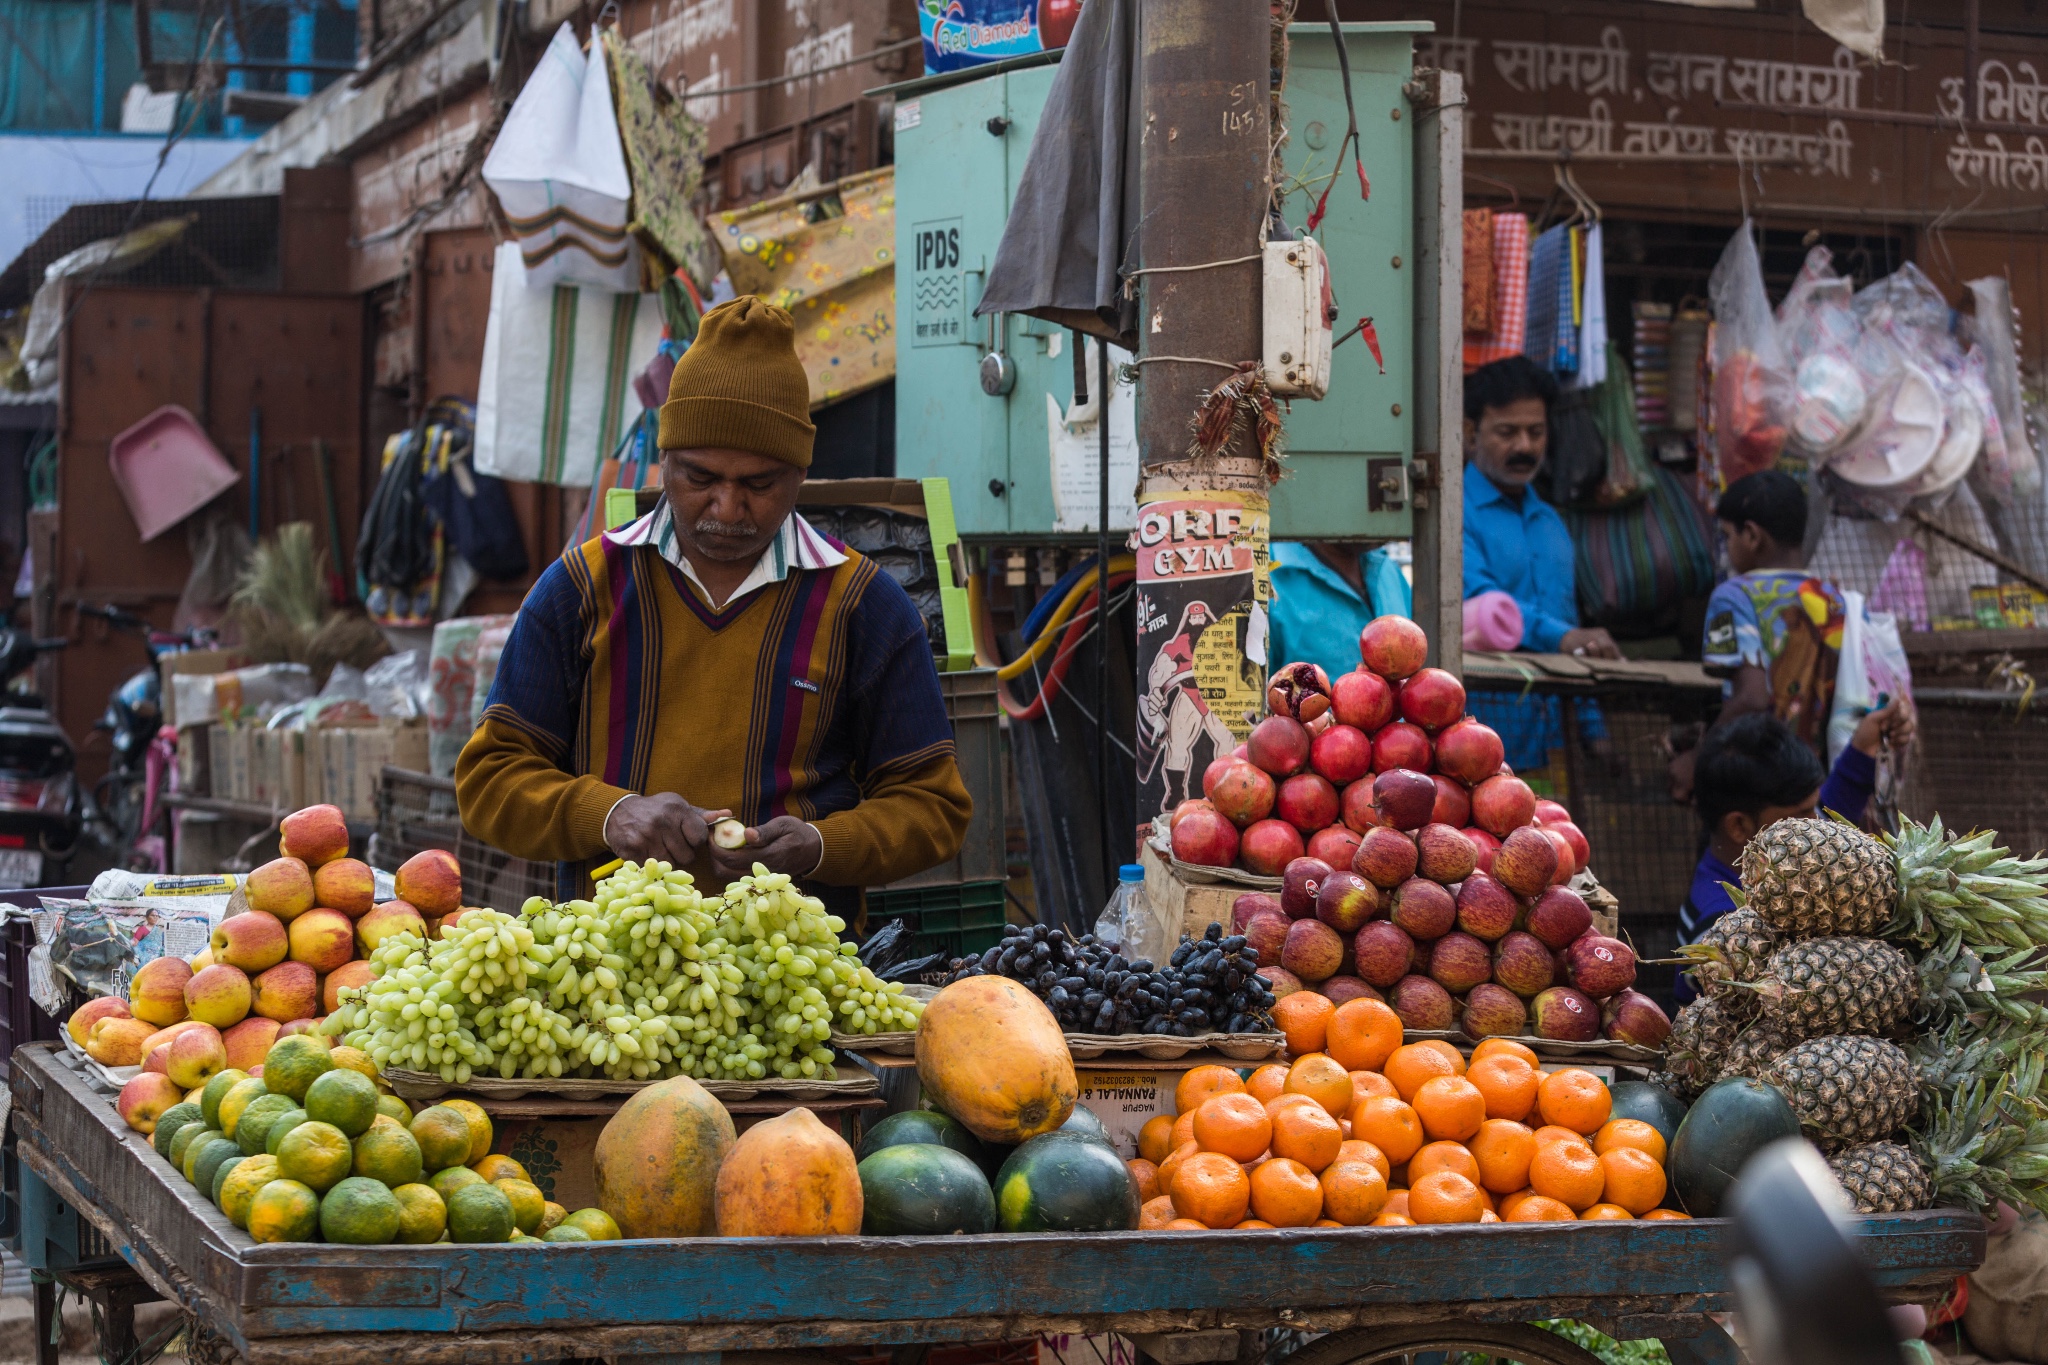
x=1381 y=1296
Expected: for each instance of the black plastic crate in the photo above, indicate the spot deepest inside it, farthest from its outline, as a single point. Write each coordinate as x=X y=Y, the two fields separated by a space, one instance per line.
x=21 y=1019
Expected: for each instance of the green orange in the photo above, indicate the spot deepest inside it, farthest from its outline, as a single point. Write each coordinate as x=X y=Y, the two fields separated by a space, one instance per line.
x=443 y=1134
x=360 y=1212
x=388 y=1153
x=422 y=1215
x=284 y=1211
x=480 y=1213
x=347 y=1099
x=294 y=1063
x=316 y=1155
x=238 y=1191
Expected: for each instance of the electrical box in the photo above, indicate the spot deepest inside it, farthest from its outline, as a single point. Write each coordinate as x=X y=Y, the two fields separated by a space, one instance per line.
x=1295 y=331
x=961 y=142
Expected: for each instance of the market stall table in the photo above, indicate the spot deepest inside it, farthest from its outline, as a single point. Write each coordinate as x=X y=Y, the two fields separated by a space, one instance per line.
x=693 y=1299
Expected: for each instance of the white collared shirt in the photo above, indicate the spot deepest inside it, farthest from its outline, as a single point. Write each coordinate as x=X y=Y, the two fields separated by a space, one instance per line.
x=797 y=545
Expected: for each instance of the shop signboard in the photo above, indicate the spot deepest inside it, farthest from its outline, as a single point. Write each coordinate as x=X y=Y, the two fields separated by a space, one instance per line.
x=962 y=33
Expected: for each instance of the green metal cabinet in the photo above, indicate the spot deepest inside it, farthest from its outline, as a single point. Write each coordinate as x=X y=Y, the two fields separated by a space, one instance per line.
x=960 y=151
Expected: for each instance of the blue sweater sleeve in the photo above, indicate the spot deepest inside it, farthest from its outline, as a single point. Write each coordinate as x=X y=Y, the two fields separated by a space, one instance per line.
x=539 y=685
x=1849 y=786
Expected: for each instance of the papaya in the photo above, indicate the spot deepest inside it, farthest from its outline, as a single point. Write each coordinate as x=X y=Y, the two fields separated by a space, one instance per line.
x=789 y=1176
x=991 y=1054
x=657 y=1160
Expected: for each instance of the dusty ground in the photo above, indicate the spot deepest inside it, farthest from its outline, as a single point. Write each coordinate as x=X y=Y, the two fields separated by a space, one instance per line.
x=17 y=1331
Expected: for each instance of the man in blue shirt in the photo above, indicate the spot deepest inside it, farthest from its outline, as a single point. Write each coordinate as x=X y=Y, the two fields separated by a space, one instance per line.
x=1324 y=593
x=1516 y=543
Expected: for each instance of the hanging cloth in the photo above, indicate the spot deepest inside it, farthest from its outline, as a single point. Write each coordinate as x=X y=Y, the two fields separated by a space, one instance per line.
x=1592 y=312
x=1550 y=337
x=1509 y=311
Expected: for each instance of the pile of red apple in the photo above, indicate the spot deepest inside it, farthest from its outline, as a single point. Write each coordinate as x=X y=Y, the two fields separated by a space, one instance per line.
x=1414 y=862
x=276 y=967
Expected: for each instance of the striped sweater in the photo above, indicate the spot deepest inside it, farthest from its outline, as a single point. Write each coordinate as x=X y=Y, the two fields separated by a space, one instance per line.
x=813 y=696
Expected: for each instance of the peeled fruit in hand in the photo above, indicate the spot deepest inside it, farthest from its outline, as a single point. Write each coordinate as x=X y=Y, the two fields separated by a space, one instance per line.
x=657 y=1160
x=316 y=835
x=218 y=995
x=156 y=994
x=323 y=939
x=114 y=1041
x=287 y=992
x=253 y=941
x=392 y=917
x=248 y=1042
x=991 y=1054
x=196 y=1057
x=1298 y=691
x=91 y=1012
x=1393 y=646
x=430 y=882
x=349 y=974
x=282 y=887
x=789 y=1176
x=144 y=1099
x=346 y=884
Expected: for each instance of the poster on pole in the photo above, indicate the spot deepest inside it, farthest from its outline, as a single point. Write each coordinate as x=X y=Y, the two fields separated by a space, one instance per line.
x=1203 y=593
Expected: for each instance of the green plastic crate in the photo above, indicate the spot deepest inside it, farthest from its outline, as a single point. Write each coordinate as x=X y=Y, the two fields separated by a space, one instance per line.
x=957 y=919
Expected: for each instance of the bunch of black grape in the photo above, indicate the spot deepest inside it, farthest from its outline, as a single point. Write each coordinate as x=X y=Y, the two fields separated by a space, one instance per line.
x=1210 y=985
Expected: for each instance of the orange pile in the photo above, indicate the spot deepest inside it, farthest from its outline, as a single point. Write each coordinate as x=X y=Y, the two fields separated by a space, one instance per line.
x=1362 y=1130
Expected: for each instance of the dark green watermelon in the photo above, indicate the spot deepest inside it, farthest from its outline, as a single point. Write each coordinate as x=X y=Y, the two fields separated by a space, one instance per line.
x=927 y=1126
x=1065 y=1182
x=1084 y=1123
x=1726 y=1126
x=920 y=1189
x=1652 y=1104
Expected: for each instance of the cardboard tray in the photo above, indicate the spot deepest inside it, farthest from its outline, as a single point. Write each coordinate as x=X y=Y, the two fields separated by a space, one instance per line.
x=1243 y=1047
x=428 y=1085
x=1553 y=1049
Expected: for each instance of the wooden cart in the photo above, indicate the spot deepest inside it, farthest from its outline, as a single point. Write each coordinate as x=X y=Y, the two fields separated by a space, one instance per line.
x=1183 y=1297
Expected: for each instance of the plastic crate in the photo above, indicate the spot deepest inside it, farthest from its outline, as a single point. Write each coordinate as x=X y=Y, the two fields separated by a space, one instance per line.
x=978 y=743
x=417 y=811
x=21 y=1019
x=958 y=920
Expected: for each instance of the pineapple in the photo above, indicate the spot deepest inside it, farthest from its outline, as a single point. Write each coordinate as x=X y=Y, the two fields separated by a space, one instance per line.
x=1809 y=877
x=1882 y=1177
x=1731 y=949
x=1848 y=1089
x=1752 y=1053
x=1698 y=1046
x=1819 y=986
x=1956 y=891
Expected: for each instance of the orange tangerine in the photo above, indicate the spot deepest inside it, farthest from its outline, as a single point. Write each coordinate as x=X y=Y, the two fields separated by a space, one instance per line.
x=1304 y=1017
x=1305 y=1133
x=1493 y=1047
x=1629 y=1133
x=1414 y=1063
x=1323 y=1079
x=1568 y=1173
x=1659 y=1215
x=1172 y=1163
x=1155 y=1139
x=1450 y=1052
x=1183 y=1128
x=1155 y=1213
x=1234 y=1124
x=1357 y=1149
x=1391 y=1125
x=1397 y=1201
x=1200 y=1083
x=1366 y=1084
x=1186 y=1225
x=1326 y=1223
x=1287 y=1097
x=1145 y=1175
x=1603 y=1213
x=1250 y=1224
x=1211 y=1187
x=1503 y=1149
x=1574 y=1099
x=1507 y=1082
x=1633 y=1179
x=1354 y=1193
x=1550 y=1133
x=1449 y=1107
x=1445 y=1197
x=1286 y=1193
x=1393 y=1220
x=1539 y=1208
x=1268 y=1081
x=1362 y=1034
x=1489 y=1216
x=1443 y=1156
x=1508 y=1201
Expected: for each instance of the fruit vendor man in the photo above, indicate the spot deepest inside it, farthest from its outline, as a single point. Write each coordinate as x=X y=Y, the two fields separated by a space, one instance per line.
x=718 y=656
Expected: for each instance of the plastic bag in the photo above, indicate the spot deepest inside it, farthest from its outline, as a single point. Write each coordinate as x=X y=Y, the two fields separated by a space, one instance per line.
x=1614 y=412
x=1577 y=464
x=1870 y=669
x=1752 y=389
x=396 y=686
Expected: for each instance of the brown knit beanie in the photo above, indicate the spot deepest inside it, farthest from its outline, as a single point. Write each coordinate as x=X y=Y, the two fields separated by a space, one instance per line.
x=740 y=386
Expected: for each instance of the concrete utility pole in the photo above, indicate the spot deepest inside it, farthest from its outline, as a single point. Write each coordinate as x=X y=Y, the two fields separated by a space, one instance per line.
x=1205 y=168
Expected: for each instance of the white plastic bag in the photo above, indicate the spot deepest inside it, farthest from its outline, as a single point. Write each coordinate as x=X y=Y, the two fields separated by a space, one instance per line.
x=1752 y=387
x=1870 y=669
x=559 y=171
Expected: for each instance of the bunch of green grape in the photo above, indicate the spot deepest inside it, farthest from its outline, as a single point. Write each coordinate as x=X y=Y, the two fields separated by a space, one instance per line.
x=649 y=979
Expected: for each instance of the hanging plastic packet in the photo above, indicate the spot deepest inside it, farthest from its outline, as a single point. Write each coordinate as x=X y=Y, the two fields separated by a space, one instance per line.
x=1752 y=390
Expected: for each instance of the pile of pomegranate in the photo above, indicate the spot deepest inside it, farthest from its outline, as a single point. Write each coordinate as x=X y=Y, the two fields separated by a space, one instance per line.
x=1415 y=866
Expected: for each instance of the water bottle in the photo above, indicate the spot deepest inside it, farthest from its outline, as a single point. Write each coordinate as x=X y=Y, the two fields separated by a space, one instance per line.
x=1124 y=916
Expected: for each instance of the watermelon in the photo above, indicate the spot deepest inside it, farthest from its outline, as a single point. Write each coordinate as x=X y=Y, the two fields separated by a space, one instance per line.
x=925 y=1126
x=920 y=1189
x=1066 y=1182
x=1650 y=1103
x=1725 y=1127
x=1085 y=1124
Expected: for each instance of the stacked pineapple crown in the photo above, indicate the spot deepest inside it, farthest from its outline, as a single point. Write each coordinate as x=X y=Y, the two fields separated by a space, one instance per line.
x=1878 y=984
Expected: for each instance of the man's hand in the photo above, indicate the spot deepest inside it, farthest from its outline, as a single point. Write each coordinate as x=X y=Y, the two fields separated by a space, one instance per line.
x=1591 y=641
x=1892 y=724
x=784 y=844
x=664 y=826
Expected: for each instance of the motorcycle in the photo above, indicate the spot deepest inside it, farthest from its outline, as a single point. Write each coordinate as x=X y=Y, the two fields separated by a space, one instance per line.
x=42 y=811
x=125 y=802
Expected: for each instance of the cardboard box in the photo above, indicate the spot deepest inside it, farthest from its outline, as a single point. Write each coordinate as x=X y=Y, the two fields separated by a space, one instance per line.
x=1124 y=1100
x=195 y=760
x=1183 y=907
x=277 y=768
x=350 y=762
x=190 y=662
x=229 y=749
